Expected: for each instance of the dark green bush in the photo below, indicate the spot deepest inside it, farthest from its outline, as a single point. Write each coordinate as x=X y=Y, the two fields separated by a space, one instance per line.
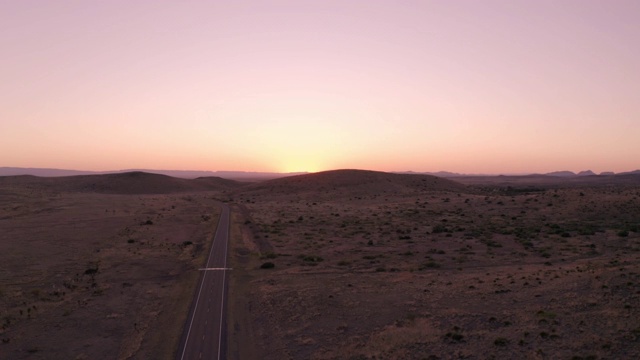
x=439 y=229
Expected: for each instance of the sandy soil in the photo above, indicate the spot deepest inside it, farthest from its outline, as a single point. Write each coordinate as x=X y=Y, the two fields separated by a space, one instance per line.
x=96 y=276
x=419 y=273
x=340 y=265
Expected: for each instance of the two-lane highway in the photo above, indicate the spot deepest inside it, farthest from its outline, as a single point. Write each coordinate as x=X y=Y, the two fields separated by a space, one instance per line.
x=204 y=334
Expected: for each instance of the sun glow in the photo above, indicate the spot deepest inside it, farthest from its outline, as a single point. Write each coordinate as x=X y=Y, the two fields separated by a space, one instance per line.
x=318 y=85
x=302 y=160
x=300 y=168
x=294 y=136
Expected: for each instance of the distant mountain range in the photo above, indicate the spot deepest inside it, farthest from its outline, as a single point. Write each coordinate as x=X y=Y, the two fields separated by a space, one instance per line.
x=253 y=175
x=187 y=174
x=590 y=173
x=447 y=174
x=581 y=173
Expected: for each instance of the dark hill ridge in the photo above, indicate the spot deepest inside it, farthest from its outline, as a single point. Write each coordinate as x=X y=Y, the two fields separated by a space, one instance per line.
x=121 y=183
x=185 y=174
x=547 y=181
x=217 y=182
x=352 y=183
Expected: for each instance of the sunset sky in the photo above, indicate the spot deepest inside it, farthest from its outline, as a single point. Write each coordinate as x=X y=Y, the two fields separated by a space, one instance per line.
x=465 y=86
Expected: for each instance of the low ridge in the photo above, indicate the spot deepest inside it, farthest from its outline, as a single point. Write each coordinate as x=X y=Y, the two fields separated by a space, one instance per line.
x=136 y=182
x=353 y=183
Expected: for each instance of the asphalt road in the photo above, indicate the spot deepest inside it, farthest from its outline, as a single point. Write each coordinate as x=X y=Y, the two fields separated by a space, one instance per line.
x=204 y=335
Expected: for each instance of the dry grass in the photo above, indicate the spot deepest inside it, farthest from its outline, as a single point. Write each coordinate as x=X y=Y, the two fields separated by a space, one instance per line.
x=88 y=276
x=366 y=266
x=487 y=272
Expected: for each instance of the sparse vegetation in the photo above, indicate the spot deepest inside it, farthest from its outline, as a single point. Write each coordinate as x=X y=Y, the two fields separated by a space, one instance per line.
x=95 y=270
x=311 y=258
x=393 y=272
x=269 y=255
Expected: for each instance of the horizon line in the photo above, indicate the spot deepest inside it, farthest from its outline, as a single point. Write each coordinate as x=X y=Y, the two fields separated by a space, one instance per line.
x=452 y=173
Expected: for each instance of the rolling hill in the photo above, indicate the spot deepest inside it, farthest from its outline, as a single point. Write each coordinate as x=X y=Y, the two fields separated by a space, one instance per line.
x=349 y=182
x=121 y=183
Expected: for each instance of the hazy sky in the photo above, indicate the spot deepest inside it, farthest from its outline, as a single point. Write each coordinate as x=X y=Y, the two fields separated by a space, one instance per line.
x=466 y=86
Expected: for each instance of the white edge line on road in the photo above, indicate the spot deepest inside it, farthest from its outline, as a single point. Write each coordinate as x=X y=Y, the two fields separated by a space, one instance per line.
x=224 y=277
x=201 y=285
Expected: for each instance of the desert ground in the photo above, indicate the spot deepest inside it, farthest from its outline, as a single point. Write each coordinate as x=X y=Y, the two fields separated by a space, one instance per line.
x=335 y=265
x=100 y=267
x=381 y=266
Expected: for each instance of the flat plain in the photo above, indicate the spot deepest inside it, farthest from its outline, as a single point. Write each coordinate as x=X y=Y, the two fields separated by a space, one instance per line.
x=336 y=265
x=363 y=265
x=100 y=267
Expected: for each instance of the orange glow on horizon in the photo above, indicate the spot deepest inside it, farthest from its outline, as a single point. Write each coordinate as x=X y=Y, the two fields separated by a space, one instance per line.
x=311 y=86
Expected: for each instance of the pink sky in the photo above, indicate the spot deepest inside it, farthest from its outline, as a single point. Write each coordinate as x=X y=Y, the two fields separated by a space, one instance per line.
x=465 y=86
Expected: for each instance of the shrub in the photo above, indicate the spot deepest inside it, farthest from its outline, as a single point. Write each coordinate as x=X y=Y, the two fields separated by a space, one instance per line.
x=587 y=231
x=492 y=243
x=267 y=265
x=623 y=233
x=546 y=314
x=501 y=342
x=527 y=244
x=312 y=258
x=430 y=264
x=439 y=229
x=455 y=335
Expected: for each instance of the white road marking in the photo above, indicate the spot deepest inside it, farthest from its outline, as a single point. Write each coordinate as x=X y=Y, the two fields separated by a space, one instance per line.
x=196 y=307
x=224 y=277
x=209 y=269
x=202 y=284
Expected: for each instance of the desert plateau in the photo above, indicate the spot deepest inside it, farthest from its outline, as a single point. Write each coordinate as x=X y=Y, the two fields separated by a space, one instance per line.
x=345 y=264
